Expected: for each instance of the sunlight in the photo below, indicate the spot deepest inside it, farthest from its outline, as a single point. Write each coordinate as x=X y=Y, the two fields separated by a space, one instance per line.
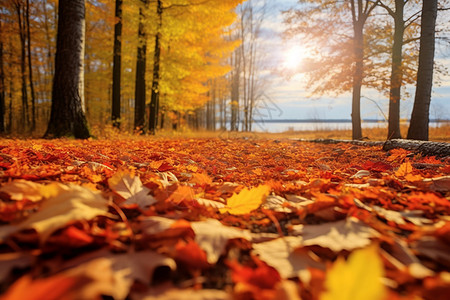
x=294 y=57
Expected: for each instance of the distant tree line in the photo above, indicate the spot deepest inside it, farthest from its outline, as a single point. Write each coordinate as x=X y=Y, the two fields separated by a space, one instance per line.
x=68 y=67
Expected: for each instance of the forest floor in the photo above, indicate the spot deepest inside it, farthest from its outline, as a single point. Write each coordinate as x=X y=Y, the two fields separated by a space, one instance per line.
x=221 y=218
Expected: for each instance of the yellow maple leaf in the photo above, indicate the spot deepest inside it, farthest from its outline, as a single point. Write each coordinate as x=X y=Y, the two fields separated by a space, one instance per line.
x=246 y=201
x=404 y=169
x=357 y=278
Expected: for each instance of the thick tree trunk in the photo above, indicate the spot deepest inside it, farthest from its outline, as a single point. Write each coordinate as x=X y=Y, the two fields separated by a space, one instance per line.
x=418 y=128
x=117 y=66
x=396 y=73
x=2 y=85
x=67 y=117
x=139 y=94
x=30 y=69
x=154 y=101
x=358 y=50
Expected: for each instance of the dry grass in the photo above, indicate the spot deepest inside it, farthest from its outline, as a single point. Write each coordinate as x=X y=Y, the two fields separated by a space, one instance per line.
x=441 y=134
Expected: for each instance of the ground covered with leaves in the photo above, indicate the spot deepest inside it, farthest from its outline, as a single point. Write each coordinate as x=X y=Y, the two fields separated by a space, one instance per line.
x=221 y=219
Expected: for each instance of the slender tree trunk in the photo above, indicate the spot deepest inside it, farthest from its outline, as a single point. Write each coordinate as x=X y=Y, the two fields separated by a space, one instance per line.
x=11 y=89
x=418 y=128
x=117 y=66
x=30 y=69
x=2 y=83
x=67 y=117
x=154 y=101
x=396 y=72
x=140 y=88
x=234 y=122
x=358 y=49
x=22 y=36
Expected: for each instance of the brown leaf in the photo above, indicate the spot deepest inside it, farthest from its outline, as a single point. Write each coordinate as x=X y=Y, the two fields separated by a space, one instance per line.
x=114 y=275
x=73 y=203
x=345 y=234
x=131 y=189
x=23 y=189
x=212 y=237
x=285 y=255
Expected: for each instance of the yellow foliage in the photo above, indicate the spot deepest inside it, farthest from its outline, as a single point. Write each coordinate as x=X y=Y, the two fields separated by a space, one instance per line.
x=246 y=201
x=358 y=278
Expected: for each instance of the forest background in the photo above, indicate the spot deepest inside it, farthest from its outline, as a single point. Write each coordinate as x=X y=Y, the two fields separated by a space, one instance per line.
x=211 y=74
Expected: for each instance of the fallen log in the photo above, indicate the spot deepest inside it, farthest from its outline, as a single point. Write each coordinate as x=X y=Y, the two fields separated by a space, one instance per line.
x=427 y=148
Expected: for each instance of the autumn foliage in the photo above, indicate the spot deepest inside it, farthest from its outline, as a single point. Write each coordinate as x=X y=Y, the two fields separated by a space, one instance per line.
x=221 y=219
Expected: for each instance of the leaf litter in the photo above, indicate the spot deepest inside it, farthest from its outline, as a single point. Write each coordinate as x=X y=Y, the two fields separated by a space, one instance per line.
x=221 y=219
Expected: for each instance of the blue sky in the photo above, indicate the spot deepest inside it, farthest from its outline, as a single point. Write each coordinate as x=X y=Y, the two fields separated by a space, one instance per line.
x=291 y=98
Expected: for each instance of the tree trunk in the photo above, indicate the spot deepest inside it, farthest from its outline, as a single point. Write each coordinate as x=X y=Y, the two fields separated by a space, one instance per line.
x=2 y=85
x=418 y=128
x=67 y=117
x=30 y=69
x=396 y=72
x=154 y=101
x=139 y=94
x=235 y=77
x=358 y=50
x=117 y=66
x=22 y=36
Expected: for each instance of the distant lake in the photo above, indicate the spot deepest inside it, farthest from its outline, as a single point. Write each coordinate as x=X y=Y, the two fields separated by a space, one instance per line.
x=276 y=126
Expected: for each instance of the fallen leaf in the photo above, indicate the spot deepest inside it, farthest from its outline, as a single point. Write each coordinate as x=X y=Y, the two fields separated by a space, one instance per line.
x=131 y=189
x=437 y=184
x=212 y=236
x=114 y=274
x=190 y=254
x=185 y=294
x=209 y=203
x=201 y=179
x=433 y=248
x=10 y=261
x=361 y=174
x=285 y=255
x=246 y=201
x=280 y=204
x=404 y=169
x=360 y=277
x=23 y=189
x=345 y=234
x=262 y=275
x=73 y=204
x=52 y=288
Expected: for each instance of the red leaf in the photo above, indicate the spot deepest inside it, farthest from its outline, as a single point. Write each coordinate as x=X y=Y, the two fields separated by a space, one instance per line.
x=377 y=166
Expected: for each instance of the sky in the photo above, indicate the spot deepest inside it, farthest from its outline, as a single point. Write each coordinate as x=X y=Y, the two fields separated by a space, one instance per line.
x=288 y=98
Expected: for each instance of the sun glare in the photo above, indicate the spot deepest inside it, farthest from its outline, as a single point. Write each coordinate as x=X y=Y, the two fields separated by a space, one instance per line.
x=294 y=57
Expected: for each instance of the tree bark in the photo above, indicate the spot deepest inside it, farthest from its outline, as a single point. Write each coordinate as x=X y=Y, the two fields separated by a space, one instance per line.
x=2 y=85
x=30 y=69
x=140 y=88
x=418 y=127
x=154 y=101
x=358 y=50
x=424 y=147
x=67 y=117
x=117 y=66
x=22 y=36
x=396 y=72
